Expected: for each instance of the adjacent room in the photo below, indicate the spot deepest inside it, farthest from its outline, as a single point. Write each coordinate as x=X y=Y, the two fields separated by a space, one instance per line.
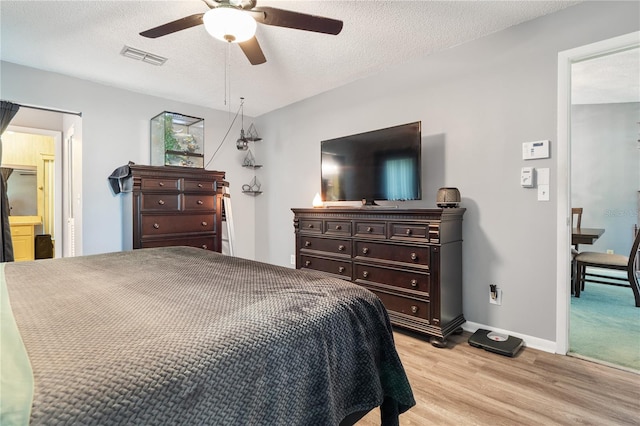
x=320 y=212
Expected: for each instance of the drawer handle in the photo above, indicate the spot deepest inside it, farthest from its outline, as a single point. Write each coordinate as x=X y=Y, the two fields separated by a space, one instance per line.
x=199 y=202
x=200 y=185
x=341 y=247
x=310 y=226
x=338 y=227
x=365 y=250
x=160 y=183
x=307 y=243
x=408 y=231
x=414 y=256
x=203 y=223
x=204 y=246
x=414 y=309
x=307 y=263
x=156 y=226
x=369 y=229
x=341 y=269
x=161 y=202
x=414 y=283
x=365 y=274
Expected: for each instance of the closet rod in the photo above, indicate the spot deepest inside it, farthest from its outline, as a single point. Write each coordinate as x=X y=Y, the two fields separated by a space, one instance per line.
x=79 y=114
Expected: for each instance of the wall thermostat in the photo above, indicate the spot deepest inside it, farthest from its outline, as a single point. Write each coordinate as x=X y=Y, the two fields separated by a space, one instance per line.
x=535 y=150
x=526 y=177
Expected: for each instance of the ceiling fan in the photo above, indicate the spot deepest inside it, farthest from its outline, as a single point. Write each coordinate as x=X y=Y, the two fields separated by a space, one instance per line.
x=235 y=21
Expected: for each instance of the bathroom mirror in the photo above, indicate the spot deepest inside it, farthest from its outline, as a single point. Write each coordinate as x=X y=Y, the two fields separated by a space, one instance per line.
x=22 y=190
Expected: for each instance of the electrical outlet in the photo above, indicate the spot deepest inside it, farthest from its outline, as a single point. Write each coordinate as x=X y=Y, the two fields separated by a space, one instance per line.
x=609 y=251
x=495 y=299
x=293 y=259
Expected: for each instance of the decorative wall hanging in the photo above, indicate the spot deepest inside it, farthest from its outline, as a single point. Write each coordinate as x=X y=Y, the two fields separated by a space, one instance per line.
x=252 y=187
x=249 y=159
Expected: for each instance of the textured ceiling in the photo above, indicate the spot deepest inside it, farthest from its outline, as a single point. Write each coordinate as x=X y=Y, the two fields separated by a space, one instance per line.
x=612 y=78
x=84 y=39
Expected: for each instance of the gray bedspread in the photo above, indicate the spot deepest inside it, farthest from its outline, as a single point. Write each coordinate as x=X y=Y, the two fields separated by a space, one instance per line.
x=190 y=337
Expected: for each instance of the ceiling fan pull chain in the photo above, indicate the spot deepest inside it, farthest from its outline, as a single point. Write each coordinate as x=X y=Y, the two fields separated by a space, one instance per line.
x=226 y=75
x=229 y=73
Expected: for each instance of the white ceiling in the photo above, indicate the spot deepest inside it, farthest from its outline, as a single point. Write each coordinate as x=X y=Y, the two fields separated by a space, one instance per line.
x=84 y=39
x=613 y=78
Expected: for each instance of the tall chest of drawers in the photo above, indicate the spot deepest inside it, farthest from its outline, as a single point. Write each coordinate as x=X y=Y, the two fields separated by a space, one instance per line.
x=173 y=206
x=411 y=259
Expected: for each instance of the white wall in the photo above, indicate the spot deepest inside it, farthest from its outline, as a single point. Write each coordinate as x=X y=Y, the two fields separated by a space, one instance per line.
x=605 y=172
x=115 y=130
x=477 y=102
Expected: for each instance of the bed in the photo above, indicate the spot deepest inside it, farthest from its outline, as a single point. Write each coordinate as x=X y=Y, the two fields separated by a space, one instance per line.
x=179 y=335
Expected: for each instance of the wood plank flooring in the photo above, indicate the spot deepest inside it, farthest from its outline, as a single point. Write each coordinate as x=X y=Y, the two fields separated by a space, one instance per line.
x=463 y=385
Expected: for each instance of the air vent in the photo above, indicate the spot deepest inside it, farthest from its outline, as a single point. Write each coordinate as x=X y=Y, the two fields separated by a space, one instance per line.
x=141 y=55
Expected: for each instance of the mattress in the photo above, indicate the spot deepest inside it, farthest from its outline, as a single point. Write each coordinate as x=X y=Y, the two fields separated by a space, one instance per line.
x=180 y=335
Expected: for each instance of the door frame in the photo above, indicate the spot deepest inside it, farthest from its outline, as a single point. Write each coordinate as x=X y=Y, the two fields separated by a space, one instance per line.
x=57 y=187
x=563 y=234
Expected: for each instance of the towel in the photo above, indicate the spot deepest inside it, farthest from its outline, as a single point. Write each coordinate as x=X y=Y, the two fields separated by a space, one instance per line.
x=120 y=179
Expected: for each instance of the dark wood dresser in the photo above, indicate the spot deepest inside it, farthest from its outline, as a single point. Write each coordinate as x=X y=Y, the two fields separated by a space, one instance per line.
x=411 y=259
x=173 y=206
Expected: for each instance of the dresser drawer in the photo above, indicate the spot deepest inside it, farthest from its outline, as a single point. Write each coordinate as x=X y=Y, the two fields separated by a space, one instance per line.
x=160 y=184
x=402 y=279
x=394 y=253
x=199 y=185
x=409 y=230
x=168 y=224
x=404 y=305
x=328 y=245
x=371 y=229
x=337 y=267
x=314 y=226
x=161 y=202
x=21 y=230
x=207 y=243
x=199 y=202
x=338 y=227
x=434 y=233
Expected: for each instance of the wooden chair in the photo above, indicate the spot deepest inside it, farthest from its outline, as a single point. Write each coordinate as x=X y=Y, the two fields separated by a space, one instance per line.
x=576 y=222
x=608 y=261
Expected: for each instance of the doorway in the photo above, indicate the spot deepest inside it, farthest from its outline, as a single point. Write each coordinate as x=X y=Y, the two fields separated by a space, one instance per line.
x=566 y=62
x=59 y=208
x=28 y=161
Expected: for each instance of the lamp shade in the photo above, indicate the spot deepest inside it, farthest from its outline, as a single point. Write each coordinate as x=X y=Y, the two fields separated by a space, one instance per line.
x=317 y=201
x=448 y=197
x=227 y=23
x=242 y=144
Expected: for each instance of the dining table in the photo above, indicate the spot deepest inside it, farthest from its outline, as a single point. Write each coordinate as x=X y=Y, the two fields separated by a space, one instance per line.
x=585 y=235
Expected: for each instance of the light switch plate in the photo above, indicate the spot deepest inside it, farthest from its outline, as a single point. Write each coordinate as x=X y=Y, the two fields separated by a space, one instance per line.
x=542 y=176
x=543 y=192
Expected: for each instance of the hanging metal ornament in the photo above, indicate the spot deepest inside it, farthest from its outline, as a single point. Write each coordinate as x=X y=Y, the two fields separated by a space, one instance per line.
x=242 y=143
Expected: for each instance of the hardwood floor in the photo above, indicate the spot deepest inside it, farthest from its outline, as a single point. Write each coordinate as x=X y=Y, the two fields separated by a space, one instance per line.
x=463 y=385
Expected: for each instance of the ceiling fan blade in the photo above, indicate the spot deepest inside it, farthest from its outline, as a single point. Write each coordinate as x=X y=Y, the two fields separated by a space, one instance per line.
x=174 y=26
x=210 y=4
x=252 y=51
x=296 y=20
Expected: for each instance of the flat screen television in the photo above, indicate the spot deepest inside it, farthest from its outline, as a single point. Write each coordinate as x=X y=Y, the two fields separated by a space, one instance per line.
x=382 y=164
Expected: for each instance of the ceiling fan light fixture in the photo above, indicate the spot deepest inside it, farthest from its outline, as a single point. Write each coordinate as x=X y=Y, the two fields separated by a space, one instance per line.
x=229 y=24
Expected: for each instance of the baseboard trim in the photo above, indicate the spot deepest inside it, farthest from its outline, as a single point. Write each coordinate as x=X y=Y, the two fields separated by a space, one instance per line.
x=529 y=341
